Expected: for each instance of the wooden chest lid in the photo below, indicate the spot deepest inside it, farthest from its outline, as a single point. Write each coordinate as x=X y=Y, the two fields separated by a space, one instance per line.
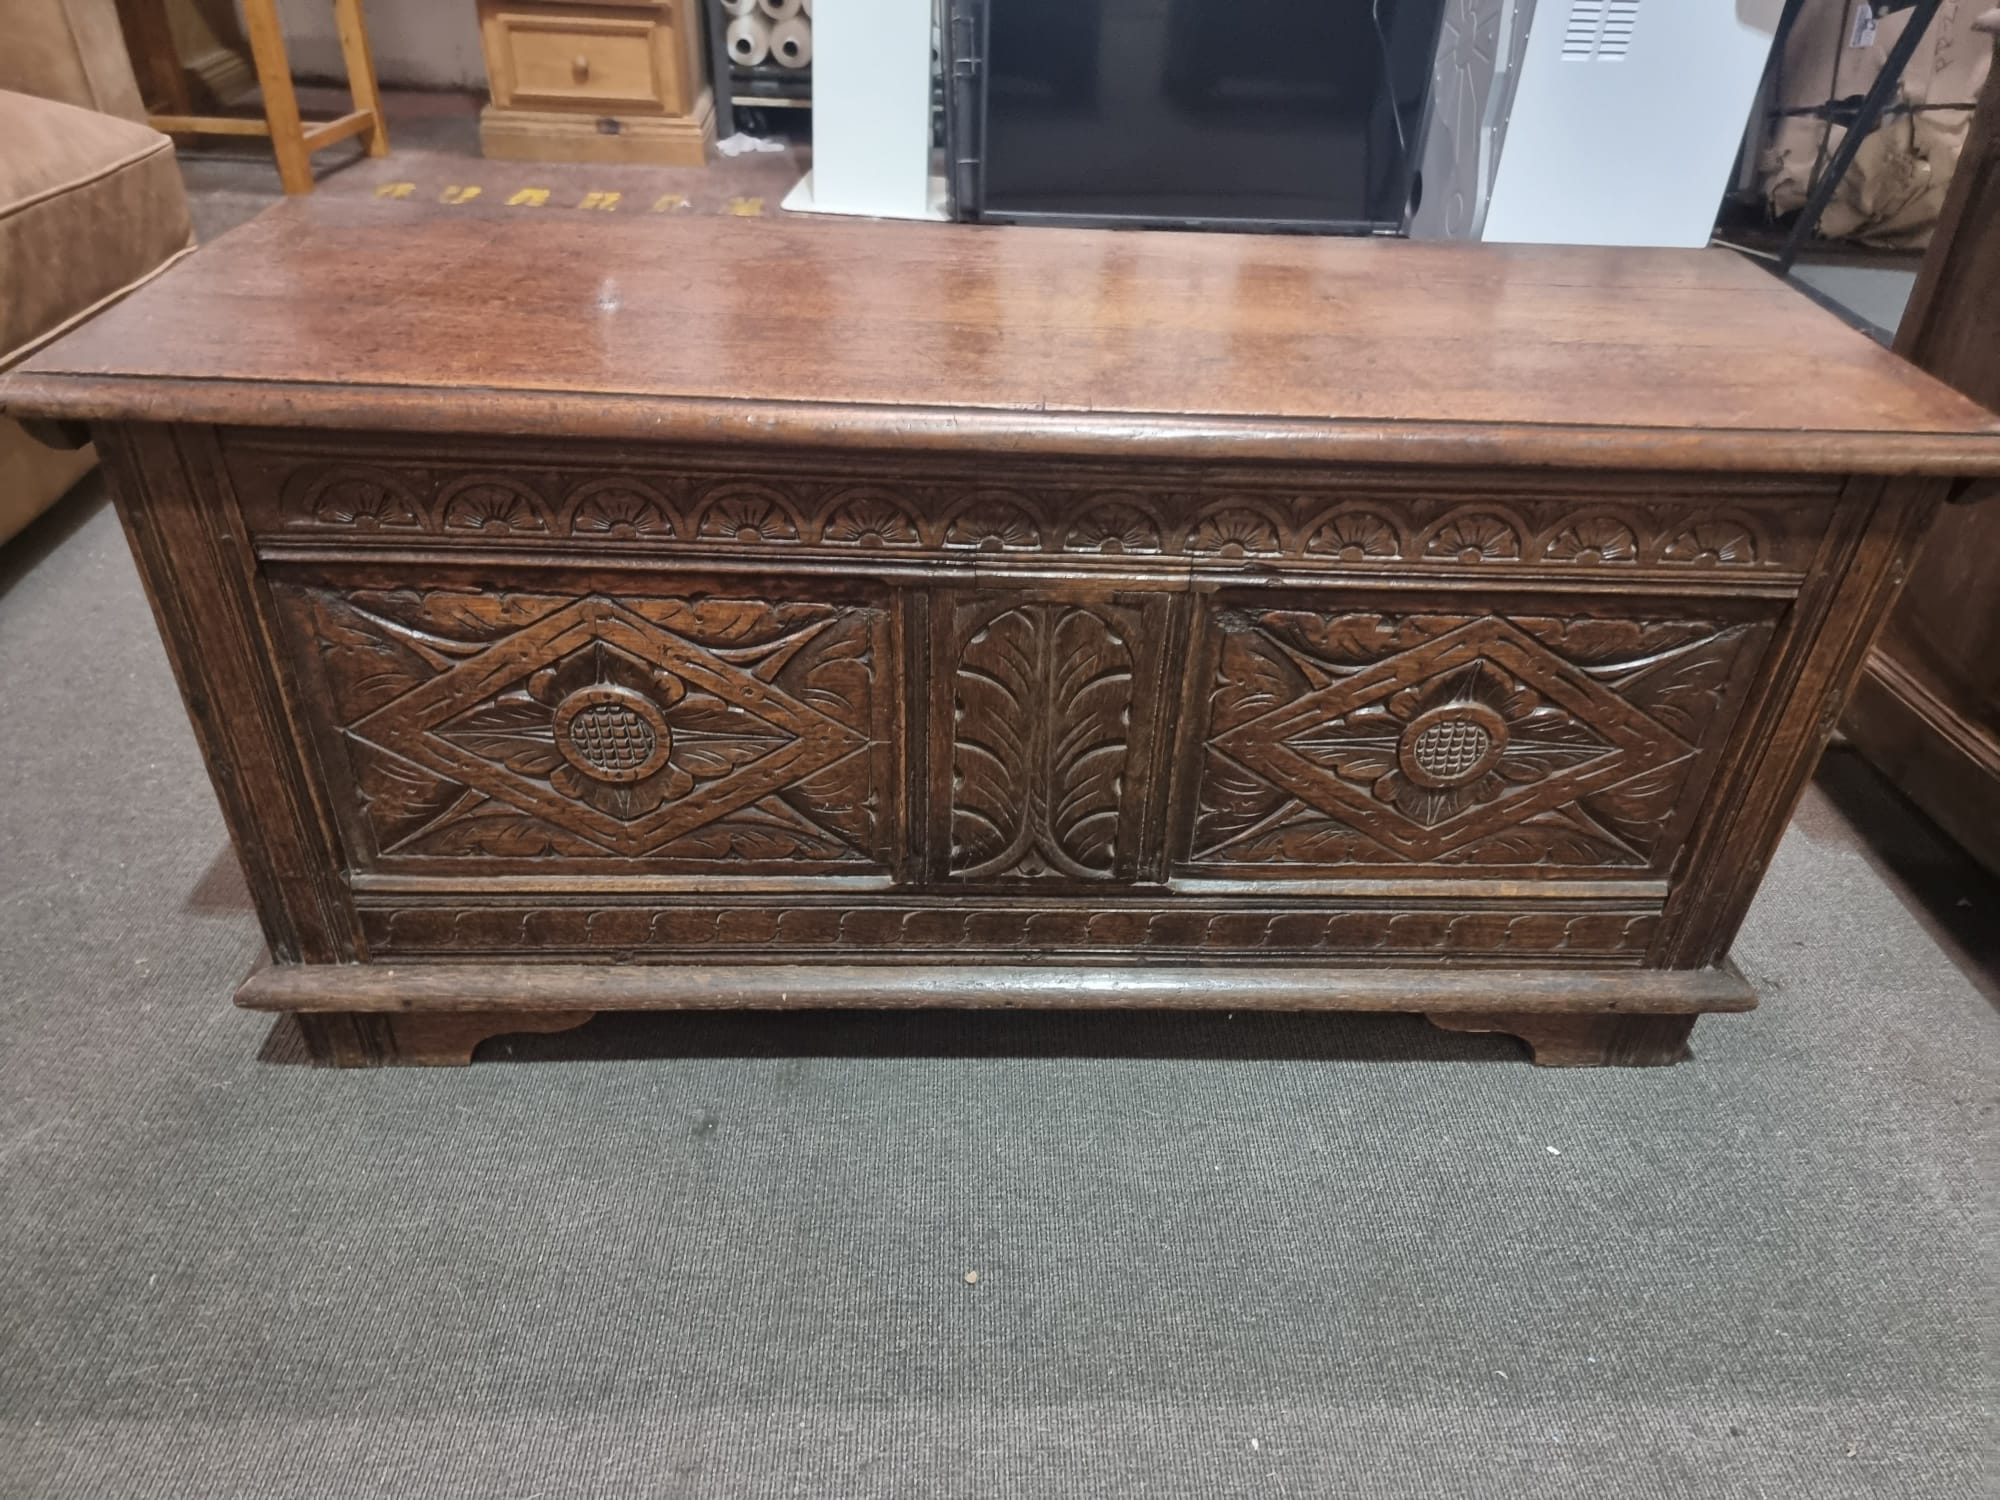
x=333 y=312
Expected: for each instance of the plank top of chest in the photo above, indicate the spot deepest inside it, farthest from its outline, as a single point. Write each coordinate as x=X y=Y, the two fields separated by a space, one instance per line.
x=329 y=313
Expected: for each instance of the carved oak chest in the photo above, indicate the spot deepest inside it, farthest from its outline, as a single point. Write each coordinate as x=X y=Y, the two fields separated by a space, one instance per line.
x=693 y=613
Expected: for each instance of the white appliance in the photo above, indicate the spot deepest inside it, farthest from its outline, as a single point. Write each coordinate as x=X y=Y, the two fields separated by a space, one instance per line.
x=871 y=115
x=1589 y=122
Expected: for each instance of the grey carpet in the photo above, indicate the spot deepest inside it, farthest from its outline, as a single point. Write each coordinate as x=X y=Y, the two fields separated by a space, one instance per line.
x=726 y=1256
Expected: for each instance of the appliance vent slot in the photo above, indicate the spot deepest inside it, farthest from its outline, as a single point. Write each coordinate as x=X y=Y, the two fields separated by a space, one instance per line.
x=1599 y=30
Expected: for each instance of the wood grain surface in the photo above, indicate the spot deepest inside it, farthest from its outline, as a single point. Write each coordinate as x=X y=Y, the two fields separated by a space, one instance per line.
x=958 y=337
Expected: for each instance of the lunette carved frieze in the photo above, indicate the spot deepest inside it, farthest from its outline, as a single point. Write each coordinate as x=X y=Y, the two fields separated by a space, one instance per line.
x=1338 y=526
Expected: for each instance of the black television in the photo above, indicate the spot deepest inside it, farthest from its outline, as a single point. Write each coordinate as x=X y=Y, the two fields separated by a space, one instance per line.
x=1249 y=114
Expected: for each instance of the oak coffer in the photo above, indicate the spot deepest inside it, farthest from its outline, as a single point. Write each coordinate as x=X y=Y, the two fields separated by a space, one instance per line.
x=588 y=614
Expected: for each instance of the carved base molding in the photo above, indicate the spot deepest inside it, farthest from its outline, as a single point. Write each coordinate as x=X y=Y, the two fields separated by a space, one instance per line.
x=436 y=1039
x=1583 y=1041
x=360 y=1015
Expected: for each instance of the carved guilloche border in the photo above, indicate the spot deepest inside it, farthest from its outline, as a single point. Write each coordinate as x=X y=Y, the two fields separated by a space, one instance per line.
x=1085 y=929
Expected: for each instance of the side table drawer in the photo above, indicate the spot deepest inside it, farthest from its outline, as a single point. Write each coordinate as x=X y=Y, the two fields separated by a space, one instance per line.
x=586 y=58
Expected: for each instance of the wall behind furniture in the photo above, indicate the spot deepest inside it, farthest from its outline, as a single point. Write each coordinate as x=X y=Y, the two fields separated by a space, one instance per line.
x=417 y=43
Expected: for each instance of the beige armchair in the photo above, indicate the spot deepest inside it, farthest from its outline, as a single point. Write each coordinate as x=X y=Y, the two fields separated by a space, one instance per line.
x=91 y=206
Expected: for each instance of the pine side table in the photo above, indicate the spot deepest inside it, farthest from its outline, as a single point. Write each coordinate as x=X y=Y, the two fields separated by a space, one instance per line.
x=596 y=81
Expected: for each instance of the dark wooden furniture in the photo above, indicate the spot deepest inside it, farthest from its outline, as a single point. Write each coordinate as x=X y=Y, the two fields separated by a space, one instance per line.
x=1927 y=711
x=889 y=616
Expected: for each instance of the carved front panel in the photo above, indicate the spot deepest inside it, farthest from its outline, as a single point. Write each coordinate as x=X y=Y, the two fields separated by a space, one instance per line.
x=1369 y=742
x=631 y=728
x=1047 y=710
x=1060 y=708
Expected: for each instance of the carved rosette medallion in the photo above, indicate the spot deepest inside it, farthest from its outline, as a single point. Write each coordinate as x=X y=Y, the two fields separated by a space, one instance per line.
x=1451 y=746
x=612 y=733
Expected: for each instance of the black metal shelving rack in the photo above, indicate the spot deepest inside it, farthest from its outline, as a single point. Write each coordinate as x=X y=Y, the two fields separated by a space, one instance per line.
x=766 y=86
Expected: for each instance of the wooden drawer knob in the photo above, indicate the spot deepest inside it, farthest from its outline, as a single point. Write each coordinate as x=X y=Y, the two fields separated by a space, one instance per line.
x=580 y=68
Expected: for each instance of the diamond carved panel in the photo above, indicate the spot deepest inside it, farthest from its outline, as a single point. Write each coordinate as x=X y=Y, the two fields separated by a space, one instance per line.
x=1370 y=739
x=523 y=726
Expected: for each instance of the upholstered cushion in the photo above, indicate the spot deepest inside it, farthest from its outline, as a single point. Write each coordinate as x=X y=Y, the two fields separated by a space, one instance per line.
x=90 y=206
x=71 y=51
x=32 y=477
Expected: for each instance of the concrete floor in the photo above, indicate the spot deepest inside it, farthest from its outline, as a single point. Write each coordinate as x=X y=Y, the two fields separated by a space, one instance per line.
x=721 y=1257
x=1874 y=295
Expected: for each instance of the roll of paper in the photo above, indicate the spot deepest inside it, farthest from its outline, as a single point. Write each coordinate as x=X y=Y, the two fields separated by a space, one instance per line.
x=738 y=7
x=779 y=10
x=749 y=40
x=792 y=42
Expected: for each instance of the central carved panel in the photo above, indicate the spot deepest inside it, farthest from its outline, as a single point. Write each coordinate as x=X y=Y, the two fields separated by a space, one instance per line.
x=738 y=732
x=1369 y=739
x=1052 y=707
